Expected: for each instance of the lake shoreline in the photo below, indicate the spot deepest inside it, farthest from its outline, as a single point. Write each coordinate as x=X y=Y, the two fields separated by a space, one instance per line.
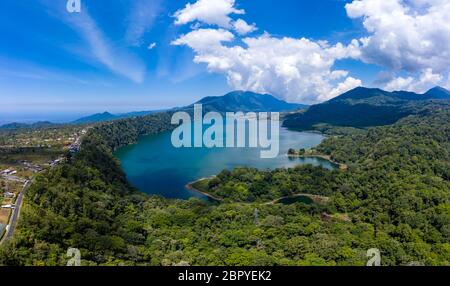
x=172 y=168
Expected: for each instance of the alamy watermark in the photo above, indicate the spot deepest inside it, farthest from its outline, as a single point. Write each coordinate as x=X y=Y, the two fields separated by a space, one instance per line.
x=374 y=256
x=236 y=130
x=73 y=6
x=74 y=256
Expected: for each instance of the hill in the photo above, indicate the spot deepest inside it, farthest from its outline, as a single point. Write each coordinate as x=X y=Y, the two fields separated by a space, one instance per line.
x=365 y=107
x=106 y=116
x=40 y=124
x=246 y=101
x=232 y=102
x=98 y=117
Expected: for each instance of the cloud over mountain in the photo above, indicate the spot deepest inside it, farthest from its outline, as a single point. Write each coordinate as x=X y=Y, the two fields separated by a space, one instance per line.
x=406 y=36
x=409 y=39
x=295 y=69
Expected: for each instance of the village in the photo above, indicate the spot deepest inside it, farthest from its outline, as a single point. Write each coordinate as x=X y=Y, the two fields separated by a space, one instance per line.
x=11 y=185
x=24 y=155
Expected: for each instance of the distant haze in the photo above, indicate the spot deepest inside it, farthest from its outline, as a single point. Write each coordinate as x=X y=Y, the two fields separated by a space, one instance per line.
x=45 y=116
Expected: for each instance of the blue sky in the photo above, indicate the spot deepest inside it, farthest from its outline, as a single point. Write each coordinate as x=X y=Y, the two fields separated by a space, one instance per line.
x=129 y=55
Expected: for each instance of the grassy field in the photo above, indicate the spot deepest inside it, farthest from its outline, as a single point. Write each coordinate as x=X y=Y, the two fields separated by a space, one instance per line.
x=38 y=156
x=4 y=216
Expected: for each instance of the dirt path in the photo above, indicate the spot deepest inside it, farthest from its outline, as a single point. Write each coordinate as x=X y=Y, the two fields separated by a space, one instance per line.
x=191 y=187
x=316 y=198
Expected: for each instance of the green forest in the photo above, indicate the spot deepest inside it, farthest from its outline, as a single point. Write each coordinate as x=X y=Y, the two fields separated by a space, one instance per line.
x=395 y=196
x=366 y=107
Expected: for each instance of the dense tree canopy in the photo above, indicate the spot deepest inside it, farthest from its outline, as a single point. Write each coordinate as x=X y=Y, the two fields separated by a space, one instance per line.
x=395 y=196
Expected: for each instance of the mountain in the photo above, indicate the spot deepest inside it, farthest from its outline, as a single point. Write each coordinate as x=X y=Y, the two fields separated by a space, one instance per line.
x=106 y=116
x=438 y=93
x=40 y=124
x=232 y=102
x=362 y=93
x=246 y=101
x=99 y=117
x=365 y=107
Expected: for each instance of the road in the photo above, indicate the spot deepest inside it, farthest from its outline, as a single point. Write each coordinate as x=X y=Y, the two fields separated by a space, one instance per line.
x=15 y=215
x=11 y=227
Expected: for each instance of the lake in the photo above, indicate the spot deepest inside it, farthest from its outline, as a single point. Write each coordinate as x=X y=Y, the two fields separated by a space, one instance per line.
x=155 y=167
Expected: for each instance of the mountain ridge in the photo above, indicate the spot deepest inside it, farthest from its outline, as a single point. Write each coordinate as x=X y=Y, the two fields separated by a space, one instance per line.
x=38 y=124
x=246 y=101
x=365 y=107
x=381 y=106
x=234 y=101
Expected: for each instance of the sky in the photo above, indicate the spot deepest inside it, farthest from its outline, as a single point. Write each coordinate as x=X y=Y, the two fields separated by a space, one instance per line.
x=134 y=55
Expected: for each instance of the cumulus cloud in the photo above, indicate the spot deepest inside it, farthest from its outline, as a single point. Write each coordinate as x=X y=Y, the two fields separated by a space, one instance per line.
x=151 y=46
x=411 y=36
x=423 y=83
x=349 y=84
x=212 y=12
x=298 y=70
x=243 y=28
x=205 y=40
x=399 y=83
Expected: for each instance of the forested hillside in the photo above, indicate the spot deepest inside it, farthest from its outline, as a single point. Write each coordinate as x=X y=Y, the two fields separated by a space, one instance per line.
x=395 y=197
x=123 y=132
x=365 y=107
x=246 y=101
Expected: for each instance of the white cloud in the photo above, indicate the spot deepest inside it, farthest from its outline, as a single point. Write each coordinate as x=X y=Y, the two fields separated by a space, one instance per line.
x=298 y=70
x=294 y=69
x=243 y=28
x=212 y=12
x=349 y=84
x=399 y=83
x=426 y=80
x=429 y=79
x=205 y=39
x=411 y=36
x=151 y=46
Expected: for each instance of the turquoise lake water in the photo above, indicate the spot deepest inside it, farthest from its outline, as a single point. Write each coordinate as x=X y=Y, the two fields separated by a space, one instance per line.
x=155 y=167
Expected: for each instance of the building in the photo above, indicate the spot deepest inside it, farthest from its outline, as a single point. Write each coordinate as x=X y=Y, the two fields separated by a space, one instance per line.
x=8 y=172
x=8 y=207
x=8 y=195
